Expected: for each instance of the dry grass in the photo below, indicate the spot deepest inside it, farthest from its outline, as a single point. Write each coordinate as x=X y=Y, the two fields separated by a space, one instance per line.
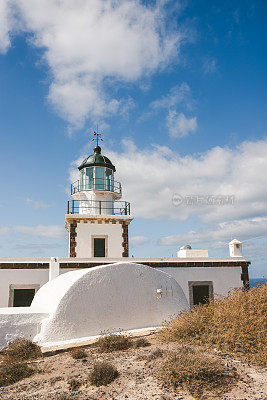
x=236 y=324
x=110 y=342
x=142 y=342
x=195 y=372
x=11 y=372
x=103 y=373
x=21 y=349
x=78 y=354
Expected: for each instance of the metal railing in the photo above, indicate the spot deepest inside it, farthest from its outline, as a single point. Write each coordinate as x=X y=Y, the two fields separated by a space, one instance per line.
x=98 y=207
x=96 y=184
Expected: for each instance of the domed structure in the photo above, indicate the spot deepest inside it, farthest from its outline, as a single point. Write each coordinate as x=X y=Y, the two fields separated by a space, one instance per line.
x=82 y=304
x=97 y=159
x=186 y=247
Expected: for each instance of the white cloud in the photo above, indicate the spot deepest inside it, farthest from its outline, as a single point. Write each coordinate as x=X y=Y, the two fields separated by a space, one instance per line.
x=37 y=246
x=90 y=46
x=37 y=204
x=179 y=125
x=51 y=231
x=5 y=23
x=209 y=66
x=150 y=178
x=139 y=240
x=176 y=95
x=221 y=233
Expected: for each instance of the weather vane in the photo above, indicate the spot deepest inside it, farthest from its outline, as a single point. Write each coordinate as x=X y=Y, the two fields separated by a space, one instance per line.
x=97 y=137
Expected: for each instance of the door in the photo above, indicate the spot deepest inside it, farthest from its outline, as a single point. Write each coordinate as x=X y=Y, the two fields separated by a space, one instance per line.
x=99 y=247
x=201 y=294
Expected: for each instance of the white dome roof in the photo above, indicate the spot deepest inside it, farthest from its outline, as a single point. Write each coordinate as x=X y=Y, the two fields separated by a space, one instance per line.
x=125 y=296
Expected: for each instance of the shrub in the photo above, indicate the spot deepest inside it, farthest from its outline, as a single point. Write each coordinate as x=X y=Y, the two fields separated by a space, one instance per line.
x=110 y=342
x=236 y=323
x=78 y=354
x=22 y=349
x=103 y=373
x=195 y=372
x=155 y=354
x=11 y=372
x=74 y=384
x=142 y=342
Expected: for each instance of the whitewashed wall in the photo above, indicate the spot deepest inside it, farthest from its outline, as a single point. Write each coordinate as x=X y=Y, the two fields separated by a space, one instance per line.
x=19 y=322
x=85 y=231
x=19 y=276
x=223 y=278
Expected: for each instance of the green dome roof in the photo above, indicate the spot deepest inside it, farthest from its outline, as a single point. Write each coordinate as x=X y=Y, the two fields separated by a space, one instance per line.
x=97 y=159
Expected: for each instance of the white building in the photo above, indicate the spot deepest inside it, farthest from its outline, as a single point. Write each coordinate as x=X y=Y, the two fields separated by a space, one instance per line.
x=97 y=221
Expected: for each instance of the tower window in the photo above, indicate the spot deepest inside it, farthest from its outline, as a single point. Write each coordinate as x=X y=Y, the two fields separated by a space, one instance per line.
x=99 y=247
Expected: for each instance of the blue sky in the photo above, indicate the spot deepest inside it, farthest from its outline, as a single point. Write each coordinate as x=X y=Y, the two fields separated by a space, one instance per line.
x=178 y=90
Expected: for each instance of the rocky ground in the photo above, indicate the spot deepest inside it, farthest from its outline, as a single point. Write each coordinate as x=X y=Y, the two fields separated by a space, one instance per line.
x=137 y=381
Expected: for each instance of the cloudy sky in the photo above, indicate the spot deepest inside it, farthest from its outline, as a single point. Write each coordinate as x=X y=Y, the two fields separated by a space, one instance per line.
x=178 y=89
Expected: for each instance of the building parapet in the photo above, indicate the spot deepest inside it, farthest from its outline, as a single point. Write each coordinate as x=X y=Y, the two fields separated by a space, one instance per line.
x=37 y=263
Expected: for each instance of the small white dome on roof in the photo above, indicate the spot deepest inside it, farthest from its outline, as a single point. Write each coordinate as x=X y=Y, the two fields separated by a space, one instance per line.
x=186 y=247
x=235 y=241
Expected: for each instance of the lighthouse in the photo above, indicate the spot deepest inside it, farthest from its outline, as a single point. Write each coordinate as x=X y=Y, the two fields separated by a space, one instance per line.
x=97 y=220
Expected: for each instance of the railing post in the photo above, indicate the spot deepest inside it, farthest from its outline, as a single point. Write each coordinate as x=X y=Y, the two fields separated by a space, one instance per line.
x=68 y=207
x=99 y=206
x=72 y=206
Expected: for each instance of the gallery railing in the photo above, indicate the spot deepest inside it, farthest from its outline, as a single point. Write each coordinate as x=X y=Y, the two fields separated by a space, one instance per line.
x=98 y=207
x=107 y=185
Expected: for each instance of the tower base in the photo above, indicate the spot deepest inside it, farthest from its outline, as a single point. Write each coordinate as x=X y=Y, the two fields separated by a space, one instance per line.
x=98 y=235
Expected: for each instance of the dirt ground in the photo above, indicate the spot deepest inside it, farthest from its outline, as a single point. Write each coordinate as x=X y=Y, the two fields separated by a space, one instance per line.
x=136 y=381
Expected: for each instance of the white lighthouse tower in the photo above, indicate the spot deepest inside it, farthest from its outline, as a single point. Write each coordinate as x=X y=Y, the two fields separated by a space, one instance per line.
x=96 y=220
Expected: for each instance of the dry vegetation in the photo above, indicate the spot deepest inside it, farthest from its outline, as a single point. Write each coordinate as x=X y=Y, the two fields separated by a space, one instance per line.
x=12 y=367
x=21 y=349
x=142 y=342
x=11 y=372
x=148 y=369
x=103 y=373
x=78 y=354
x=196 y=372
x=236 y=324
x=177 y=363
x=110 y=342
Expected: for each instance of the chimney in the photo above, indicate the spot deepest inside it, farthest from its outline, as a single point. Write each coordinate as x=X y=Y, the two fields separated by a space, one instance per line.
x=53 y=268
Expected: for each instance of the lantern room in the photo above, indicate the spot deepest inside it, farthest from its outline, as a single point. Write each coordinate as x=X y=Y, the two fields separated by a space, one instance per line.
x=97 y=174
